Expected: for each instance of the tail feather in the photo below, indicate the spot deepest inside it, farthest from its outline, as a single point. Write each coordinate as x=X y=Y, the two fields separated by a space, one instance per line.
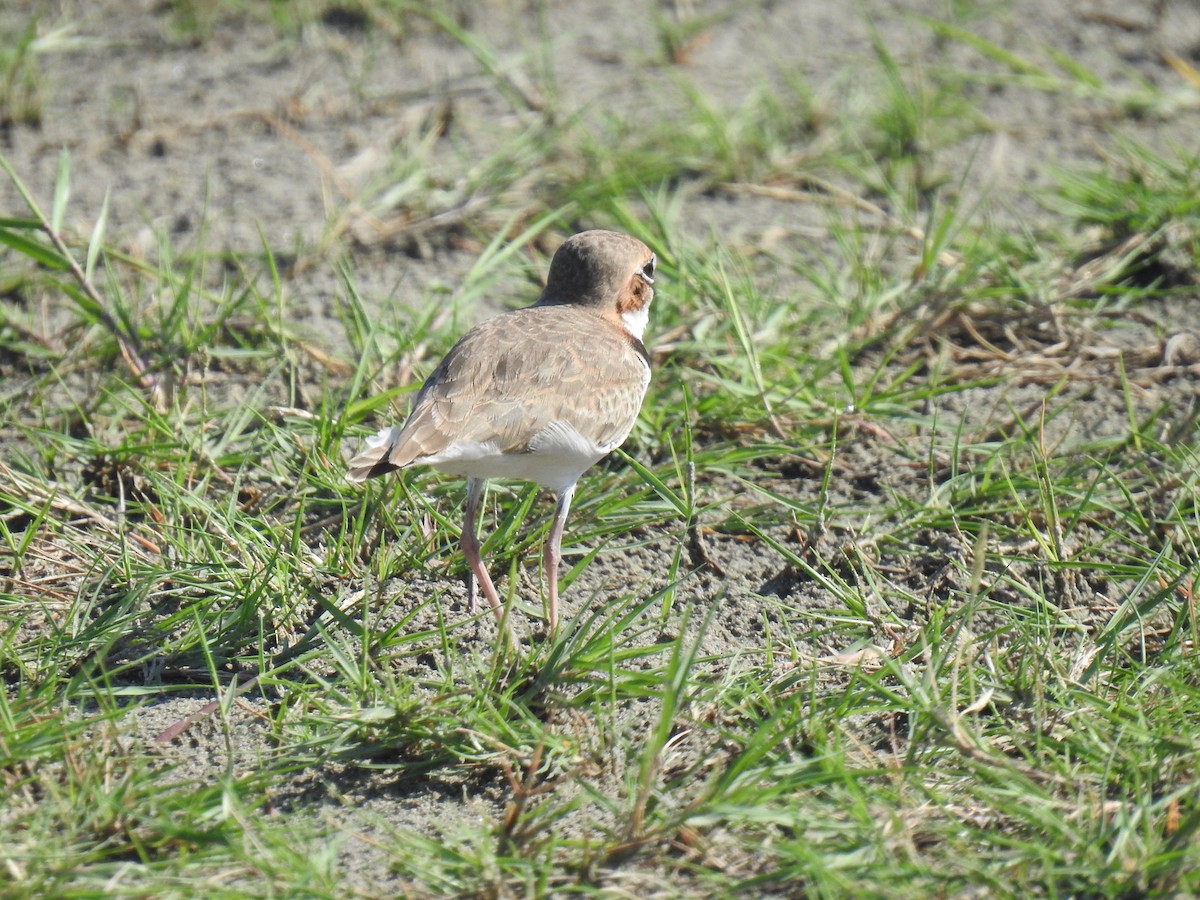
x=374 y=458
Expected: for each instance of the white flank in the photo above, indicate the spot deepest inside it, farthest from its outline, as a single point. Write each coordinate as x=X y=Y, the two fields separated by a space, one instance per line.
x=558 y=455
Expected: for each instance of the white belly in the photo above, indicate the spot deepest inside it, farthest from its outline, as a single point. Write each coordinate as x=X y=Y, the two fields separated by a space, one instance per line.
x=555 y=460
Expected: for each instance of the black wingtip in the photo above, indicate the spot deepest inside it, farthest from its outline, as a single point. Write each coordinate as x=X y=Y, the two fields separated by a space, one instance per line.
x=379 y=467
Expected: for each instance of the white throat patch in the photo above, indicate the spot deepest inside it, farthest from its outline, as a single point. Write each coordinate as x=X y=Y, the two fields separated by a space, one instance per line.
x=636 y=321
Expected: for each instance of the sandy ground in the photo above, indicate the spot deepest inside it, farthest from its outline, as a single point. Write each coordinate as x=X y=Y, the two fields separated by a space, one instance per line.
x=210 y=140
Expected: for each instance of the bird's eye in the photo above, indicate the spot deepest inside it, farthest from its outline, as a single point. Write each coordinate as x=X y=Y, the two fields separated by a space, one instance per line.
x=647 y=271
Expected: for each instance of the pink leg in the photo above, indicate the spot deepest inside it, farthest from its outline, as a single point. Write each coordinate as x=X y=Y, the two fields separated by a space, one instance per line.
x=552 y=555
x=471 y=546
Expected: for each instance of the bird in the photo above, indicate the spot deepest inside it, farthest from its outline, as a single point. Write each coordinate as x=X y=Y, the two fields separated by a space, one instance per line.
x=537 y=394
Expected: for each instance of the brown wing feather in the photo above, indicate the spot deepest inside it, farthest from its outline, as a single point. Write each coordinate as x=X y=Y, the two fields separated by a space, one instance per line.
x=511 y=376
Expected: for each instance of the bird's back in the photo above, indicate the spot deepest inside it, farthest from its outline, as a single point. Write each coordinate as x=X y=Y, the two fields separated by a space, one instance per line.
x=537 y=394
